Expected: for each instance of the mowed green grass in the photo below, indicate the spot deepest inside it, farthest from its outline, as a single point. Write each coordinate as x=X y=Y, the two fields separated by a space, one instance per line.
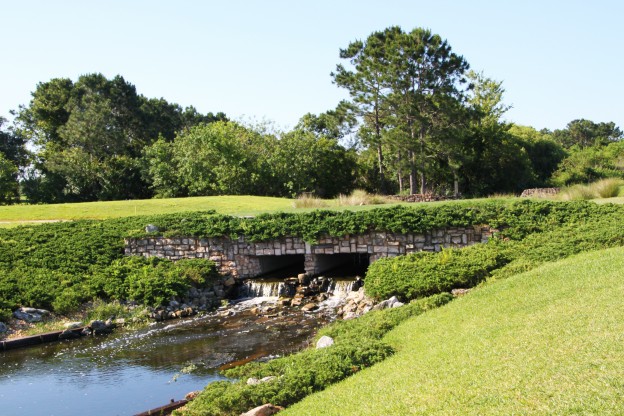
x=550 y=341
x=236 y=205
x=233 y=205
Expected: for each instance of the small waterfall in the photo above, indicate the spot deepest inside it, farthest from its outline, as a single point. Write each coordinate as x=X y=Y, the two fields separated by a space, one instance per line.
x=341 y=288
x=261 y=289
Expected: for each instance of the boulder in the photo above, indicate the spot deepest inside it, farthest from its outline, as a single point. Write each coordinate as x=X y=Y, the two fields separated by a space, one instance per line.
x=100 y=327
x=36 y=311
x=230 y=281
x=459 y=292
x=69 y=334
x=72 y=325
x=252 y=381
x=302 y=278
x=388 y=303
x=3 y=328
x=309 y=307
x=27 y=316
x=191 y=395
x=151 y=228
x=264 y=410
x=324 y=342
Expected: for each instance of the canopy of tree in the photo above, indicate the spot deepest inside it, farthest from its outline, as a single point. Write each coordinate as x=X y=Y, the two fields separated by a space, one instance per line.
x=417 y=120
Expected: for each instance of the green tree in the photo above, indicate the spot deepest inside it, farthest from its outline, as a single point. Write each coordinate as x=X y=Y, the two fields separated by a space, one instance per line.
x=545 y=154
x=367 y=80
x=426 y=85
x=407 y=87
x=223 y=158
x=586 y=133
x=160 y=170
x=9 y=188
x=303 y=162
x=585 y=165
x=495 y=159
x=89 y=137
x=334 y=124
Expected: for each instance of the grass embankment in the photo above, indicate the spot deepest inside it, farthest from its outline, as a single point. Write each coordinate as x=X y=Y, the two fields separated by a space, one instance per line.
x=549 y=341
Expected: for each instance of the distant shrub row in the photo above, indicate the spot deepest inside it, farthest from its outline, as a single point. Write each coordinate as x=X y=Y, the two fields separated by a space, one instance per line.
x=357 y=345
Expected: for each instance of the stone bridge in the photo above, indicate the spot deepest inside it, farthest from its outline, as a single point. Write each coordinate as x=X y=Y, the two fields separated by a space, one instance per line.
x=244 y=259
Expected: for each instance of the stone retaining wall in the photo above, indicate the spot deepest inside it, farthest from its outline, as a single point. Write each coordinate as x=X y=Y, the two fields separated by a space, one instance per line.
x=540 y=192
x=421 y=198
x=242 y=259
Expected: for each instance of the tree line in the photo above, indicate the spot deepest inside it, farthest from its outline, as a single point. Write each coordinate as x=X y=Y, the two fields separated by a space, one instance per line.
x=417 y=120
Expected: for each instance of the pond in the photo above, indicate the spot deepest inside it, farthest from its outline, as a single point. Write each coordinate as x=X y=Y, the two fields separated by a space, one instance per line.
x=129 y=372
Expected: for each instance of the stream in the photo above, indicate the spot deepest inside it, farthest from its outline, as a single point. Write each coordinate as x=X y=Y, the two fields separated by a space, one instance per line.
x=129 y=372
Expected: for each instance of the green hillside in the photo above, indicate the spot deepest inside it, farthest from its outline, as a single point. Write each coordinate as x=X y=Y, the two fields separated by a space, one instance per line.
x=548 y=341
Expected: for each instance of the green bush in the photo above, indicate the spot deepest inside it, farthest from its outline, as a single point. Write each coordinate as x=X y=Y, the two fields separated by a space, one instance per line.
x=558 y=231
x=376 y=324
x=150 y=281
x=297 y=376
x=422 y=274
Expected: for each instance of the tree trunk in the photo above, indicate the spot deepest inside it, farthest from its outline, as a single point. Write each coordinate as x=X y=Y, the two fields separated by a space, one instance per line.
x=382 y=179
x=412 y=176
x=455 y=183
x=399 y=173
x=423 y=182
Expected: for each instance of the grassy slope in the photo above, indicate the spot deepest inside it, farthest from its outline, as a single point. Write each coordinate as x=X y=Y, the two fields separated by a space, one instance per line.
x=550 y=341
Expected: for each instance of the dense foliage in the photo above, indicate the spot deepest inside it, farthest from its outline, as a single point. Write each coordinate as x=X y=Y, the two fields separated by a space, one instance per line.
x=533 y=234
x=88 y=137
x=357 y=346
x=422 y=274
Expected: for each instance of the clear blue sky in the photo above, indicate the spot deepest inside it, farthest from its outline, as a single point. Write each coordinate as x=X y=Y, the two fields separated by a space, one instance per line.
x=271 y=59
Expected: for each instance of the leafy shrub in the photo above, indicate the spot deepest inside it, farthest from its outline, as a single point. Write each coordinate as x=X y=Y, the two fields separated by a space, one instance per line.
x=297 y=376
x=422 y=274
x=150 y=281
x=376 y=324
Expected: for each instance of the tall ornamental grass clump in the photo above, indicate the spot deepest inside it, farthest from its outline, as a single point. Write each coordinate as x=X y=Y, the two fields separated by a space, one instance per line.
x=604 y=188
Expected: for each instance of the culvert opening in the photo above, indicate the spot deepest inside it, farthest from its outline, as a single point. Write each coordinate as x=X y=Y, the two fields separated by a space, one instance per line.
x=281 y=267
x=342 y=265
